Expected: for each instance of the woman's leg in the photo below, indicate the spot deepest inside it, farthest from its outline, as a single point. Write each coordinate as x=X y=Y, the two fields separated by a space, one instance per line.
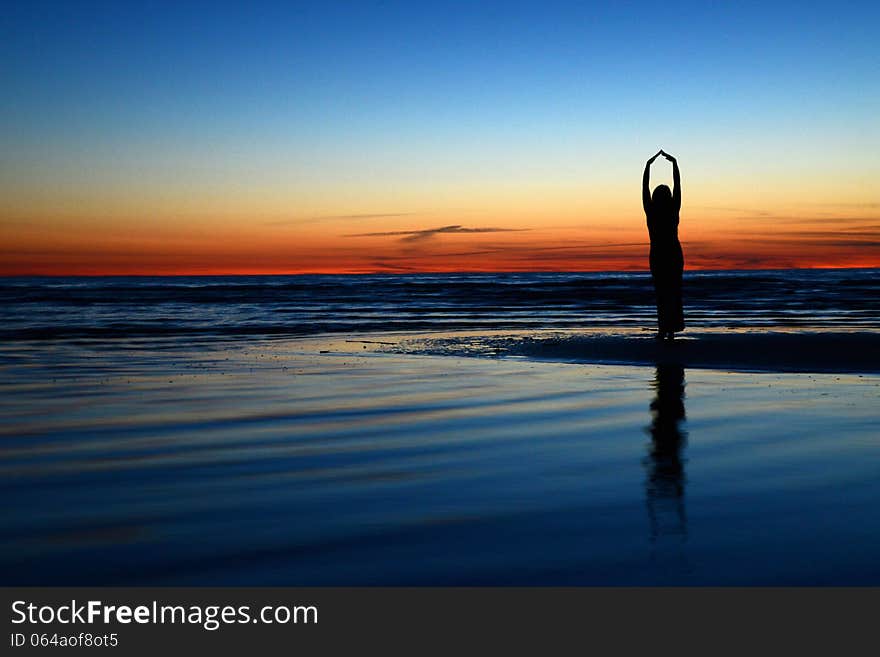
x=658 y=300
x=665 y=305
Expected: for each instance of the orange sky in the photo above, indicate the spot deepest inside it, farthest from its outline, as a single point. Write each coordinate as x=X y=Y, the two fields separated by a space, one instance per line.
x=412 y=138
x=767 y=205
x=713 y=238
x=792 y=211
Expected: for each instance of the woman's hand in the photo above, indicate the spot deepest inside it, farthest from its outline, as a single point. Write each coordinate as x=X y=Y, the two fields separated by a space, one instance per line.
x=654 y=157
x=666 y=155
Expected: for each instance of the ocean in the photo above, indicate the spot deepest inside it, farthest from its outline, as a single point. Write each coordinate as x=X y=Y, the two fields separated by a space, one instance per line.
x=345 y=430
x=280 y=306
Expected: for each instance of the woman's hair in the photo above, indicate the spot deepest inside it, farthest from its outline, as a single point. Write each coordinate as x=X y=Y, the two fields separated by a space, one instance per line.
x=662 y=196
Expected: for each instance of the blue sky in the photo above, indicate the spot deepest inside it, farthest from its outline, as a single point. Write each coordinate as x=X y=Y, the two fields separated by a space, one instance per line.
x=399 y=105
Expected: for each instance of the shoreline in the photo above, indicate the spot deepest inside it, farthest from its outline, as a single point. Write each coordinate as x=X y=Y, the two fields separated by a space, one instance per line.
x=784 y=351
x=776 y=349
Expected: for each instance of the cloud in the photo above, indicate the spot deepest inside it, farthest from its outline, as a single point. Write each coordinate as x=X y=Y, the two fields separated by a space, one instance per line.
x=871 y=205
x=812 y=242
x=744 y=211
x=427 y=233
x=379 y=215
x=793 y=219
x=385 y=265
x=339 y=217
x=871 y=232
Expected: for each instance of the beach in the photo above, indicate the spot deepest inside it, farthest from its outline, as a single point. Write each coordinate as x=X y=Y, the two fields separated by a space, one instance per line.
x=517 y=324
x=543 y=457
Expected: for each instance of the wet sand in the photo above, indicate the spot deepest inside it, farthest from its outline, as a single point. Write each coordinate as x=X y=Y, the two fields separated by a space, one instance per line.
x=777 y=350
x=335 y=461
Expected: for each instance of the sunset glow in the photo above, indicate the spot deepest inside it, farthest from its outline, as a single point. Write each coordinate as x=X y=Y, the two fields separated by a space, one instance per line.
x=434 y=137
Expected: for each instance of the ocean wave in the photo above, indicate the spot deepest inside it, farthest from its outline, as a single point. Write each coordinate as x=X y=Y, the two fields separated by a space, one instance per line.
x=234 y=306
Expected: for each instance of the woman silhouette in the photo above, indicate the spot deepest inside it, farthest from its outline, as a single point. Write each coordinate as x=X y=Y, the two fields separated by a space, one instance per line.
x=667 y=261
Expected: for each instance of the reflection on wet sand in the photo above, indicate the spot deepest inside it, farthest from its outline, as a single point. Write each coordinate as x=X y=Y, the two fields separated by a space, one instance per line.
x=282 y=465
x=665 y=482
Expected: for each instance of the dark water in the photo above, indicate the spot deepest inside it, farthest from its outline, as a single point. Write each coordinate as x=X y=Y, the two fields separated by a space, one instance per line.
x=245 y=306
x=228 y=458
x=268 y=466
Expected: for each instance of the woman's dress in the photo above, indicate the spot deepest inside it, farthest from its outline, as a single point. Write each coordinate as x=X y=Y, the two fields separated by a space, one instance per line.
x=667 y=265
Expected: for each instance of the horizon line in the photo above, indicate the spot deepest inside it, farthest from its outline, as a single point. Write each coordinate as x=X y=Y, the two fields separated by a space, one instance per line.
x=427 y=271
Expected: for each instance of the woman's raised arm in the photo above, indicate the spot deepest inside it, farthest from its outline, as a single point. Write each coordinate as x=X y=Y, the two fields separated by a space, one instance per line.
x=676 y=181
x=646 y=182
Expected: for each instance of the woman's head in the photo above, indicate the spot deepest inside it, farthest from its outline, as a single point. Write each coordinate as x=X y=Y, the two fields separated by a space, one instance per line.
x=662 y=196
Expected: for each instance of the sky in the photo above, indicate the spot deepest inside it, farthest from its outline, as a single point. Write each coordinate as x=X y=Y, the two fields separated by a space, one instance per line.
x=350 y=137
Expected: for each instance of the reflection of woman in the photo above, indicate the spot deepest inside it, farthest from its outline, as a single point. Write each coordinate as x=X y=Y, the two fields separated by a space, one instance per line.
x=667 y=261
x=666 y=476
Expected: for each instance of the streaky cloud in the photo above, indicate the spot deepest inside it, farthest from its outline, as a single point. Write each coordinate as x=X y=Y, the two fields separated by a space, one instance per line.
x=340 y=217
x=869 y=204
x=794 y=219
x=427 y=233
x=378 y=215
